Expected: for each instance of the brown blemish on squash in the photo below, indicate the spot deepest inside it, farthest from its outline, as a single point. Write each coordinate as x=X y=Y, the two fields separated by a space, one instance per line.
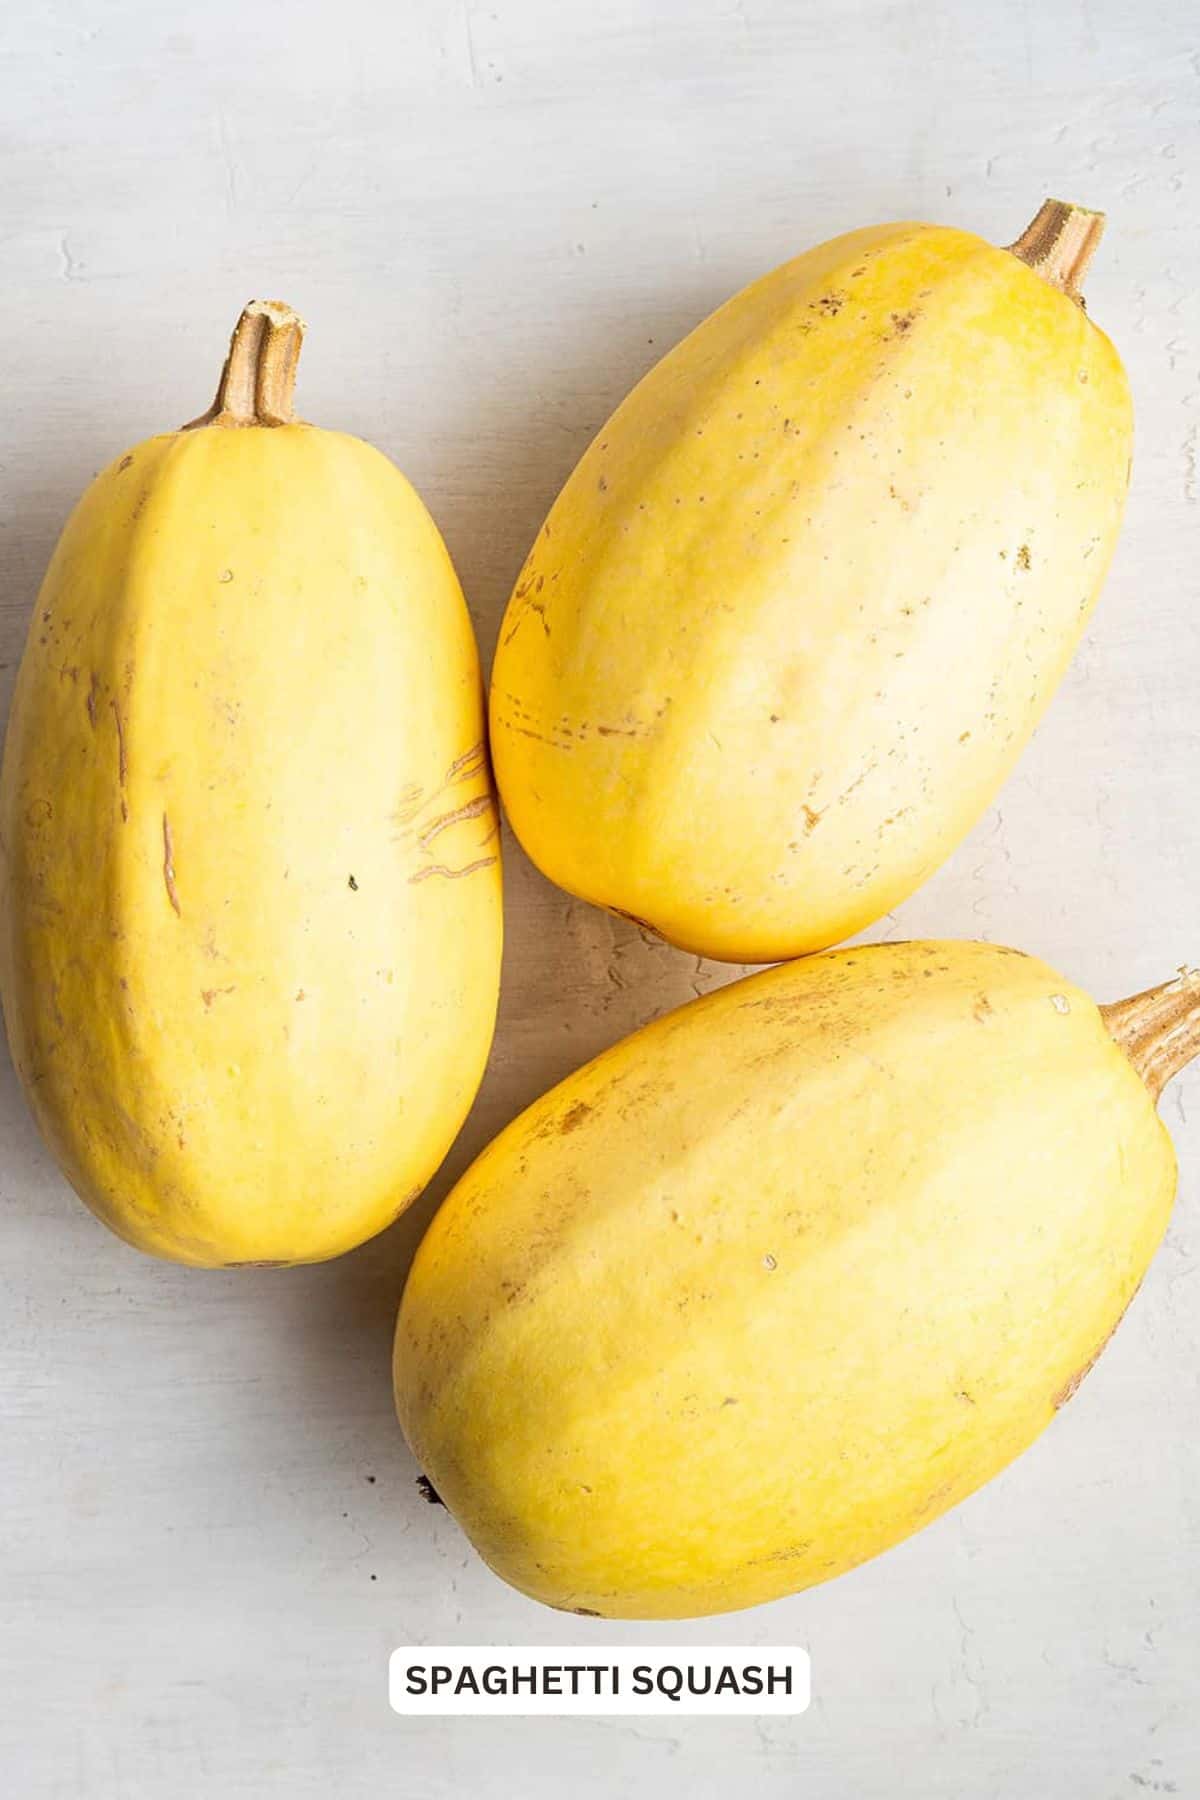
x=1071 y=1386
x=574 y=1116
x=902 y=323
x=208 y=995
x=125 y=463
x=812 y=818
x=169 y=865
x=1024 y=559
x=266 y=1262
x=586 y=1612
x=414 y=1193
x=92 y=695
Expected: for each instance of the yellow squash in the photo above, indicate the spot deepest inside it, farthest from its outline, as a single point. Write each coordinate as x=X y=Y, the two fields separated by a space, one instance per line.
x=778 y=1279
x=802 y=602
x=251 y=927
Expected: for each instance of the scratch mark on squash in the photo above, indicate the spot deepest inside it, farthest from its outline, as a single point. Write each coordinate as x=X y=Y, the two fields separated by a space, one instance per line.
x=408 y=805
x=93 y=692
x=122 y=756
x=856 y=783
x=413 y=801
x=482 y=862
x=649 y=934
x=169 y=865
x=539 y=737
x=469 y=763
x=122 y=759
x=470 y=810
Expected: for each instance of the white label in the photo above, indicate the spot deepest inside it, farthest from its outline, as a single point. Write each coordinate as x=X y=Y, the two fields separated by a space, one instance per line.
x=554 y=1679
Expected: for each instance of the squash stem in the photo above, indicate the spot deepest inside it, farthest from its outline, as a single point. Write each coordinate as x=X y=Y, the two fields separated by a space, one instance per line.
x=1059 y=245
x=1159 y=1031
x=259 y=376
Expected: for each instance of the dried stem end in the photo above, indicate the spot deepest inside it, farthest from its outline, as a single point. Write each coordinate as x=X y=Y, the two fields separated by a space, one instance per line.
x=1159 y=1031
x=259 y=376
x=1059 y=245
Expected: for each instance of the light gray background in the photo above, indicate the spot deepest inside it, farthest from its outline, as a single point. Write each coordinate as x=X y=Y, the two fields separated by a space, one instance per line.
x=495 y=215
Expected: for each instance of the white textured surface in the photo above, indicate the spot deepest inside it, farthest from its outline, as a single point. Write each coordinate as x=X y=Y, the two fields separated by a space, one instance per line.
x=495 y=214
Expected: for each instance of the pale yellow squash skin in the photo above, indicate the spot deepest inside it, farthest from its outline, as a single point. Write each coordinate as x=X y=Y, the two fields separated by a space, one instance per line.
x=801 y=604
x=251 y=915
x=780 y=1278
